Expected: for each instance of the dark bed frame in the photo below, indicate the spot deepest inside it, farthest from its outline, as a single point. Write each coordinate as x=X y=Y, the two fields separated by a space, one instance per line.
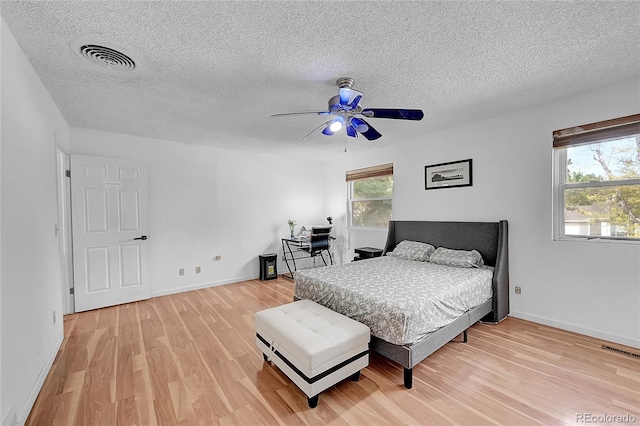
x=488 y=238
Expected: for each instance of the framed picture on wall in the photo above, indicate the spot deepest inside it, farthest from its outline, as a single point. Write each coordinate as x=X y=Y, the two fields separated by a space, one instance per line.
x=448 y=175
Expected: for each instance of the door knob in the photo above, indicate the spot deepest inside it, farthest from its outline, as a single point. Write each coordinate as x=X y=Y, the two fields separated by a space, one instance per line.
x=144 y=237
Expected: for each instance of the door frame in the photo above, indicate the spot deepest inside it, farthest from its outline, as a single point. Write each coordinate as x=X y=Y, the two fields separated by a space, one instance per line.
x=65 y=236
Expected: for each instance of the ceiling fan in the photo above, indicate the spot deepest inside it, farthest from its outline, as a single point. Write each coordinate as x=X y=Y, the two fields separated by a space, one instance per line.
x=347 y=111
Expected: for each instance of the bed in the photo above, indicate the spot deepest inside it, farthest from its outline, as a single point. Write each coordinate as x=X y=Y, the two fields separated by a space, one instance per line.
x=413 y=308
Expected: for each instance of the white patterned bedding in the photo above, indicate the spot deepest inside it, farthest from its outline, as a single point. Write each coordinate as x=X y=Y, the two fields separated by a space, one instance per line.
x=400 y=300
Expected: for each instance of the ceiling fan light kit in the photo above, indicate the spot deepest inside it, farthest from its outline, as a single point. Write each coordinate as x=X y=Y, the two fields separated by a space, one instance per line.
x=347 y=111
x=336 y=124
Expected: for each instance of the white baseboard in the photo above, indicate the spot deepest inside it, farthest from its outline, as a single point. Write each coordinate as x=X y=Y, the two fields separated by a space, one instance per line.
x=578 y=329
x=37 y=386
x=200 y=286
x=11 y=419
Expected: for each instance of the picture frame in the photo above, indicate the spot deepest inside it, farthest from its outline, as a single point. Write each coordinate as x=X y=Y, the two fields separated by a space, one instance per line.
x=454 y=174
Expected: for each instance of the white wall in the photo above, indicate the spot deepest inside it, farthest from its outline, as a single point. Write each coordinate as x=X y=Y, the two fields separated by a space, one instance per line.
x=205 y=202
x=30 y=275
x=586 y=287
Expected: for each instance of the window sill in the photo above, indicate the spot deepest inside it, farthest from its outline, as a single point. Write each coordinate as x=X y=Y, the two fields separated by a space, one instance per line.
x=597 y=240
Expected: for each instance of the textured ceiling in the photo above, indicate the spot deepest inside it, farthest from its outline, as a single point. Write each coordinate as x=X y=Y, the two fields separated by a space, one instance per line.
x=213 y=72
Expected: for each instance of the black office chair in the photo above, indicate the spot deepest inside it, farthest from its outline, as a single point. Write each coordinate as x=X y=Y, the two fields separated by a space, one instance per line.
x=319 y=244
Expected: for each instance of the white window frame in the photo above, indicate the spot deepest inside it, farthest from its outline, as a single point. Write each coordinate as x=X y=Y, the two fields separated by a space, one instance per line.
x=351 y=200
x=560 y=184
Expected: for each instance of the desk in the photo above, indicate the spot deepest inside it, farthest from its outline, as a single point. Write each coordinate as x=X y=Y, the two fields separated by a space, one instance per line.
x=293 y=246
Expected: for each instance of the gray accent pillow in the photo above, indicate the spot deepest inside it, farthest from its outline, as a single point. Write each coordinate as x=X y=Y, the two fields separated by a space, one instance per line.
x=412 y=250
x=457 y=258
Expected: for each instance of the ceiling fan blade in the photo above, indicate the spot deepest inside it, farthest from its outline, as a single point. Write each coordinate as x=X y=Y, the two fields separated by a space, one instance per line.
x=371 y=133
x=400 y=114
x=302 y=113
x=317 y=129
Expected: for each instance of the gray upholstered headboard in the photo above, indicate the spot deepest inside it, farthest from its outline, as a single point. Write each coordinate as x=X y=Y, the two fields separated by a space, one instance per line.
x=491 y=239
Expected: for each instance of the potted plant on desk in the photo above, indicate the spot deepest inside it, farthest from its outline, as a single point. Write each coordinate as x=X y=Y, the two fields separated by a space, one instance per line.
x=292 y=223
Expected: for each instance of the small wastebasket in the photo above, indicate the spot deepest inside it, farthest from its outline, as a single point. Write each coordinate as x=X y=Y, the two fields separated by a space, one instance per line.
x=268 y=268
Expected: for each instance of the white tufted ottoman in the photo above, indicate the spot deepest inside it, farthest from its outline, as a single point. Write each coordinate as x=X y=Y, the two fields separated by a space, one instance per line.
x=313 y=345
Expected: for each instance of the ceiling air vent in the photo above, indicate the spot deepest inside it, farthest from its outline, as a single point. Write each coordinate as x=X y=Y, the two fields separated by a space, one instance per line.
x=107 y=57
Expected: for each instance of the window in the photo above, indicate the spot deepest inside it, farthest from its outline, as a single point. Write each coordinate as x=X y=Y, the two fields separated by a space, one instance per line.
x=598 y=180
x=371 y=196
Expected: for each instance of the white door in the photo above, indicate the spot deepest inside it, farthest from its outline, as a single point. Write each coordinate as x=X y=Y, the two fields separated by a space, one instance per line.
x=109 y=223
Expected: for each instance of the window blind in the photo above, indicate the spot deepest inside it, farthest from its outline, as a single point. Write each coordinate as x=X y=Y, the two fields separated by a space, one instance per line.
x=602 y=130
x=369 y=172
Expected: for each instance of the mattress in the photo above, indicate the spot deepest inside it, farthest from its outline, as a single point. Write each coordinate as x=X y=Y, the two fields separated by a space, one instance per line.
x=401 y=301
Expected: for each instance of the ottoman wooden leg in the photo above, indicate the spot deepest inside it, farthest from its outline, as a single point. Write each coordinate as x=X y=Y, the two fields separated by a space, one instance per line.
x=266 y=358
x=313 y=401
x=355 y=376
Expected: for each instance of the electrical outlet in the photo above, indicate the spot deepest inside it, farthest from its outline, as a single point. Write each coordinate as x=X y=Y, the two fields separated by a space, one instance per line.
x=181 y=272
x=198 y=270
x=54 y=316
x=218 y=257
x=518 y=290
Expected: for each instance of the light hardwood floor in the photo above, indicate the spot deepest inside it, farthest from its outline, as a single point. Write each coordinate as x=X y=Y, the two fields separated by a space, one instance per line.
x=191 y=358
